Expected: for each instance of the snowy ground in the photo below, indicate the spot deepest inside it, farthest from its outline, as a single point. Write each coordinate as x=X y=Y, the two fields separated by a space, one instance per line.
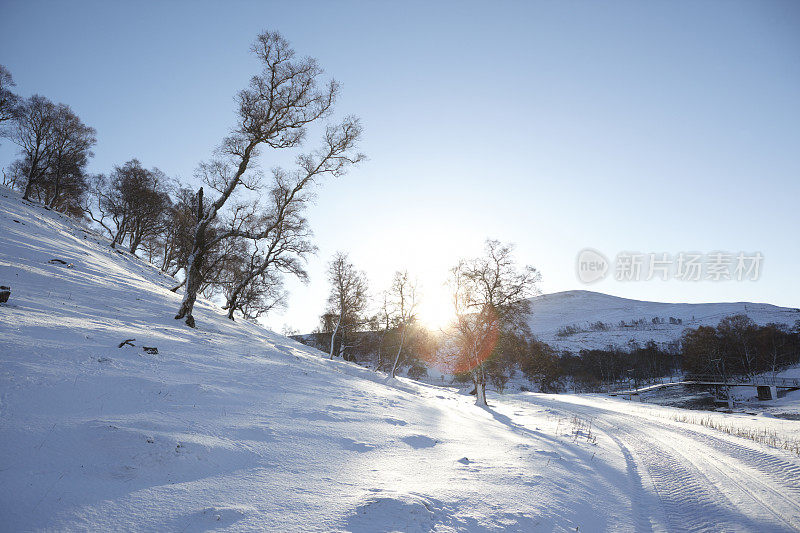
x=236 y=428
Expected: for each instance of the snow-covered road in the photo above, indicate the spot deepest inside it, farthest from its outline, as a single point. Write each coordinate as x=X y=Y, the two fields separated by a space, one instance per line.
x=683 y=477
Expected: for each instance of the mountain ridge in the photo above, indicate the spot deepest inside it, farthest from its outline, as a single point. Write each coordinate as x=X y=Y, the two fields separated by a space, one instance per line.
x=553 y=314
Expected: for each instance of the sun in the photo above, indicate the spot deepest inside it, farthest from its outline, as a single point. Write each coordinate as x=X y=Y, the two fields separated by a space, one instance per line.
x=435 y=311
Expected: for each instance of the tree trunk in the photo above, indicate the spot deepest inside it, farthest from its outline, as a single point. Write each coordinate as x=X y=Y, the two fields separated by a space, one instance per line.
x=194 y=278
x=193 y=282
x=400 y=349
x=57 y=191
x=480 y=394
x=380 y=352
x=333 y=335
x=119 y=236
x=231 y=303
x=165 y=259
x=32 y=174
x=136 y=240
x=480 y=386
x=28 y=187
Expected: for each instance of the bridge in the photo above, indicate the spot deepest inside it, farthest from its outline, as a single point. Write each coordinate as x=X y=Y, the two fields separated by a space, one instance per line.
x=766 y=386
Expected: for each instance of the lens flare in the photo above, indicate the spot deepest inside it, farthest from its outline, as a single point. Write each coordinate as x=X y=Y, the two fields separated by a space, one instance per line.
x=467 y=344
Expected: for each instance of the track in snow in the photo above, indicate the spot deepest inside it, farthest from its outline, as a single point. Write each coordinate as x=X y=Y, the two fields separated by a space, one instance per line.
x=687 y=479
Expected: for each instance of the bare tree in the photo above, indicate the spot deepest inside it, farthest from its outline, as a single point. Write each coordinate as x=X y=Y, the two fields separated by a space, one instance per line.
x=346 y=302
x=385 y=321
x=736 y=333
x=280 y=237
x=176 y=236
x=273 y=112
x=64 y=180
x=55 y=146
x=105 y=208
x=132 y=203
x=14 y=175
x=403 y=294
x=255 y=295
x=491 y=297
x=32 y=131
x=8 y=100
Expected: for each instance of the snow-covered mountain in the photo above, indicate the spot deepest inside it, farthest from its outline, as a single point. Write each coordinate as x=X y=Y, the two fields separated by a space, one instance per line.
x=232 y=427
x=565 y=319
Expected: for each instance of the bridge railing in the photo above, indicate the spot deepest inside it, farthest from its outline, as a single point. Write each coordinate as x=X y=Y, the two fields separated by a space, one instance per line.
x=746 y=380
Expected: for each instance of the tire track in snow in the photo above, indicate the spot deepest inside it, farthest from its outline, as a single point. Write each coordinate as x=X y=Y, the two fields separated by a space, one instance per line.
x=786 y=472
x=641 y=498
x=704 y=482
x=786 y=514
x=750 y=471
x=747 y=478
x=690 y=499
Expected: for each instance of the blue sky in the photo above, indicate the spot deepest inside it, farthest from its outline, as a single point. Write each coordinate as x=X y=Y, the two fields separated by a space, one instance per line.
x=639 y=126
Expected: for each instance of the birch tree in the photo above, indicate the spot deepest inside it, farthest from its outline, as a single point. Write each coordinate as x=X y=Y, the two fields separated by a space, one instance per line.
x=385 y=320
x=131 y=203
x=403 y=294
x=273 y=113
x=491 y=297
x=346 y=302
x=176 y=237
x=70 y=149
x=32 y=132
x=280 y=236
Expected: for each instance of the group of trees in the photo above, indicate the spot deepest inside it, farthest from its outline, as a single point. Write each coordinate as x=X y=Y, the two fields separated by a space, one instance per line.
x=490 y=297
x=347 y=303
x=350 y=331
x=132 y=204
x=739 y=346
x=54 y=147
x=273 y=113
x=489 y=339
x=595 y=369
x=239 y=233
x=242 y=231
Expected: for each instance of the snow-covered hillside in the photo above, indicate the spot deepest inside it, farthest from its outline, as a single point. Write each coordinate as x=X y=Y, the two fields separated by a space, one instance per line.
x=552 y=312
x=235 y=428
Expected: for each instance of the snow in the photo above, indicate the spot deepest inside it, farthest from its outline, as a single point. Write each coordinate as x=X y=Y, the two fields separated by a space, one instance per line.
x=550 y=312
x=236 y=428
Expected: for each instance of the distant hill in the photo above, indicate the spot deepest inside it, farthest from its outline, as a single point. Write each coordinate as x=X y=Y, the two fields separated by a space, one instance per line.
x=575 y=320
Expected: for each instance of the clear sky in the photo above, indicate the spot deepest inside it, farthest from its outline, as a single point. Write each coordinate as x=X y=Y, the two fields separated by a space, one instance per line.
x=639 y=126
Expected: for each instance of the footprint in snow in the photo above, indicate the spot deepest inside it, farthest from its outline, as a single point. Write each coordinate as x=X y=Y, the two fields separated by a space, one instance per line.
x=395 y=421
x=419 y=441
x=548 y=453
x=355 y=446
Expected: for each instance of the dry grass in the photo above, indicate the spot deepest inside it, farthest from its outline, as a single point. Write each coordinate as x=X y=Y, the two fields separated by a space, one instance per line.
x=582 y=428
x=764 y=436
x=576 y=427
